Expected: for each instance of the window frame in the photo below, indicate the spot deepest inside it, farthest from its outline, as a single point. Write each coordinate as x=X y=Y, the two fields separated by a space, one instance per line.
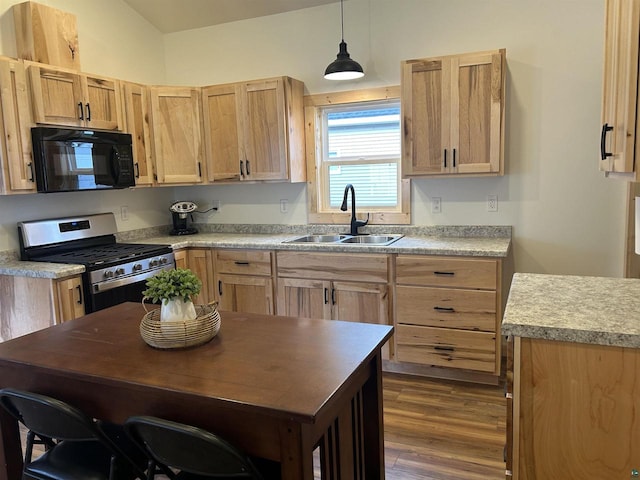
x=313 y=121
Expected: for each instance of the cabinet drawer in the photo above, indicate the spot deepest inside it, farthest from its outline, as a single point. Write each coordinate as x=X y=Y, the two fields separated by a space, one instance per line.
x=249 y=262
x=447 y=272
x=446 y=347
x=332 y=266
x=446 y=307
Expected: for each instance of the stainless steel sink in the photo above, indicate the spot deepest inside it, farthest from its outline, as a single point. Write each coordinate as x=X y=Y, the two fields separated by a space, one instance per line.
x=347 y=239
x=372 y=239
x=318 y=239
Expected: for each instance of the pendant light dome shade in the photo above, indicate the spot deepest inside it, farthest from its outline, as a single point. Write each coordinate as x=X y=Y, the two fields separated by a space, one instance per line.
x=343 y=67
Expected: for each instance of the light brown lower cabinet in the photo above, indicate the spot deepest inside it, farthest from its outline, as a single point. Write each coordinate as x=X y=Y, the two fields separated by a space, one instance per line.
x=244 y=281
x=332 y=286
x=200 y=262
x=30 y=304
x=572 y=410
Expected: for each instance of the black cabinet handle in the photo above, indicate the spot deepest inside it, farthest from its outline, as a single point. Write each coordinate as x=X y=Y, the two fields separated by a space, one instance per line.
x=79 y=295
x=603 y=140
x=444 y=274
x=220 y=287
x=81 y=111
x=444 y=309
x=326 y=296
x=137 y=169
x=241 y=168
x=30 y=165
x=199 y=169
x=454 y=158
x=333 y=296
x=88 y=113
x=444 y=348
x=445 y=158
x=248 y=171
x=238 y=262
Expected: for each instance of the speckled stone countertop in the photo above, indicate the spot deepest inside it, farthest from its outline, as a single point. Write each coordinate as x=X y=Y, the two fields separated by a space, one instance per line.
x=599 y=310
x=474 y=241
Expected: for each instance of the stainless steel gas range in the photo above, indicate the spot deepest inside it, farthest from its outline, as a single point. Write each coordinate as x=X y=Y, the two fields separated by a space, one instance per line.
x=114 y=272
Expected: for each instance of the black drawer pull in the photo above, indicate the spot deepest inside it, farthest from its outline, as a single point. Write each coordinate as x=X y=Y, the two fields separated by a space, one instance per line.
x=444 y=309
x=444 y=348
x=220 y=287
x=30 y=166
x=333 y=296
x=238 y=262
x=447 y=274
x=445 y=158
x=454 y=158
x=79 y=295
x=326 y=296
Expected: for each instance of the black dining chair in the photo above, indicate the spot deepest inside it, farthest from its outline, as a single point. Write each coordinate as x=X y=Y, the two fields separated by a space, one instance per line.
x=75 y=446
x=184 y=452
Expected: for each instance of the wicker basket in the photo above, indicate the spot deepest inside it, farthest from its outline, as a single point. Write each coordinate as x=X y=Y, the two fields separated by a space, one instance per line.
x=187 y=333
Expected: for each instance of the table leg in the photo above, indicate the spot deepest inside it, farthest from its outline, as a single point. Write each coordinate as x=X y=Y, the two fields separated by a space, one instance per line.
x=296 y=453
x=373 y=422
x=10 y=447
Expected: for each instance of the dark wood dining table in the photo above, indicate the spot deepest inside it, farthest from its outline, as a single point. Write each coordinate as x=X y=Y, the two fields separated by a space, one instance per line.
x=277 y=387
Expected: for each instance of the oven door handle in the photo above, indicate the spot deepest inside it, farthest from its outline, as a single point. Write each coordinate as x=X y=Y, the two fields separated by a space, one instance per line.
x=129 y=279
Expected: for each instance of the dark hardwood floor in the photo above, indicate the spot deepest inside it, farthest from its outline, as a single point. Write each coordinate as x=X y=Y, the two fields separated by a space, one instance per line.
x=442 y=430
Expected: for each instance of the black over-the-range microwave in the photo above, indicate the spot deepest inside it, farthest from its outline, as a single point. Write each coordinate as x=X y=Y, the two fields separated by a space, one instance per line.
x=69 y=160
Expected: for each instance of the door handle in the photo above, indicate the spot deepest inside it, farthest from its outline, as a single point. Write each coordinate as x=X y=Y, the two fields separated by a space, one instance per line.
x=241 y=168
x=454 y=158
x=445 y=158
x=137 y=170
x=220 y=287
x=248 y=172
x=30 y=165
x=79 y=302
x=88 y=112
x=80 y=111
x=603 y=140
x=326 y=296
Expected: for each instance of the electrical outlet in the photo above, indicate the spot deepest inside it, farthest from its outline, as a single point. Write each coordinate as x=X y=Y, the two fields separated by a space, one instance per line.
x=124 y=213
x=284 y=205
x=492 y=203
x=436 y=205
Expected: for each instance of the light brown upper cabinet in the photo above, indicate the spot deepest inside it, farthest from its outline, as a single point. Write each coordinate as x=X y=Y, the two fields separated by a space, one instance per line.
x=16 y=172
x=453 y=115
x=137 y=122
x=66 y=97
x=619 y=132
x=254 y=131
x=177 y=137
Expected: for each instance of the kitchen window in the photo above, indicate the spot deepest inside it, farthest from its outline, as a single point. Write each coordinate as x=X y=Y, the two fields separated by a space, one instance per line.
x=356 y=140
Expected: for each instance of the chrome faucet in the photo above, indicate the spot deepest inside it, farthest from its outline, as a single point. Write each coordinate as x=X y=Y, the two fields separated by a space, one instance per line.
x=355 y=223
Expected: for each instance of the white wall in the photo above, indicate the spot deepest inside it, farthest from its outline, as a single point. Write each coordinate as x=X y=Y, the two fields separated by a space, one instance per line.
x=567 y=217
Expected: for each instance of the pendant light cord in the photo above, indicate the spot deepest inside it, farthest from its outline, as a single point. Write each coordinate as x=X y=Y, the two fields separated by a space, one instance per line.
x=342 y=18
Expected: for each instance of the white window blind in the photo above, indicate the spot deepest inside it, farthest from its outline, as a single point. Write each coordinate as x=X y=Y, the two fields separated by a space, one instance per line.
x=361 y=146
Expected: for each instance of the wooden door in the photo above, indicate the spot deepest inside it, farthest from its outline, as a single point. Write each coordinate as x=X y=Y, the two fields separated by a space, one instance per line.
x=102 y=103
x=245 y=293
x=70 y=301
x=425 y=117
x=476 y=113
x=304 y=298
x=57 y=96
x=264 y=131
x=200 y=262
x=136 y=110
x=360 y=302
x=15 y=126
x=182 y=258
x=177 y=134
x=620 y=85
x=223 y=133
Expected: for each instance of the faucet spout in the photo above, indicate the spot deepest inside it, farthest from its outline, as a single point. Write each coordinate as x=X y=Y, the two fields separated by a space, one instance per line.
x=355 y=223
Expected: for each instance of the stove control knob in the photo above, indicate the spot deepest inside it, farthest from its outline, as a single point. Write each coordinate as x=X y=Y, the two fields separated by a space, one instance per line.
x=153 y=263
x=108 y=274
x=119 y=271
x=137 y=267
x=163 y=260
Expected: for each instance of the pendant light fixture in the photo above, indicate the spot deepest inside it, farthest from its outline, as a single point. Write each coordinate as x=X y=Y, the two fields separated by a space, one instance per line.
x=343 y=67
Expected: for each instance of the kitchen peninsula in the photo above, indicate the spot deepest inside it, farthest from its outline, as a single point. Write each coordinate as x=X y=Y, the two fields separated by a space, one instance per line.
x=574 y=364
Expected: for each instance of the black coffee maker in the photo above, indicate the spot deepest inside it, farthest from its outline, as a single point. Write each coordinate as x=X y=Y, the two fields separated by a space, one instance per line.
x=181 y=211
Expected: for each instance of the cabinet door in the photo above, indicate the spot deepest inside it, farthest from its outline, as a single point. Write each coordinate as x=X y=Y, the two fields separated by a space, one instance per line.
x=620 y=85
x=136 y=107
x=70 y=301
x=477 y=113
x=304 y=298
x=223 y=131
x=182 y=259
x=426 y=117
x=15 y=125
x=57 y=96
x=245 y=293
x=360 y=302
x=177 y=134
x=264 y=131
x=200 y=262
x=102 y=103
